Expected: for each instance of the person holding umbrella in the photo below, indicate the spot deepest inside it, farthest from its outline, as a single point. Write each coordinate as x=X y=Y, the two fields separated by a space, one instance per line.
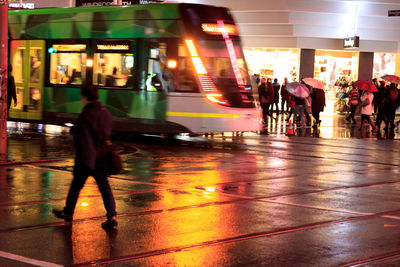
x=317 y=98
x=318 y=104
x=299 y=92
x=366 y=99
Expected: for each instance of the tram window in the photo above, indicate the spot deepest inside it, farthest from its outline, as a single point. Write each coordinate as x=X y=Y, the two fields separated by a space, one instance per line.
x=17 y=61
x=185 y=71
x=159 y=76
x=114 y=70
x=67 y=64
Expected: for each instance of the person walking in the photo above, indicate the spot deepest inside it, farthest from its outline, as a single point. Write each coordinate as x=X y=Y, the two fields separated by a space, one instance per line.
x=11 y=91
x=391 y=103
x=91 y=133
x=366 y=109
x=265 y=94
x=299 y=110
x=277 y=88
x=291 y=105
x=353 y=103
x=317 y=104
x=379 y=100
x=284 y=97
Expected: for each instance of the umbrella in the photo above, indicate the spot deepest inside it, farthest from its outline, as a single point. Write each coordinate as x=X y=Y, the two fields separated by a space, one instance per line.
x=298 y=89
x=365 y=86
x=391 y=78
x=314 y=83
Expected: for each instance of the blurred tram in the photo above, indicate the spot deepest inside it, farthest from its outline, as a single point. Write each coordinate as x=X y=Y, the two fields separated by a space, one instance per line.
x=160 y=68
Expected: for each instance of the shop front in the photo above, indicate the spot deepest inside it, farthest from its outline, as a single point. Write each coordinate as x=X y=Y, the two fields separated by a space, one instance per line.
x=273 y=62
x=336 y=69
x=386 y=64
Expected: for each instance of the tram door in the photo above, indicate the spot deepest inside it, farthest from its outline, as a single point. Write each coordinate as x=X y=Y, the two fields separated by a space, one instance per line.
x=27 y=59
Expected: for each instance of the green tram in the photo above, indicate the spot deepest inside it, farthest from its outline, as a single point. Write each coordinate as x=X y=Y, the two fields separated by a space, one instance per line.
x=160 y=68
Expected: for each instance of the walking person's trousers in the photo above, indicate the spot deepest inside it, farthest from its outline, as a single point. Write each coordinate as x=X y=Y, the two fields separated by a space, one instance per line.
x=81 y=174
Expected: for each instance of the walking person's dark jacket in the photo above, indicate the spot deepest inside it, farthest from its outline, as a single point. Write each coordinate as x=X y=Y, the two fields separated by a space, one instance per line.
x=266 y=93
x=93 y=127
x=318 y=100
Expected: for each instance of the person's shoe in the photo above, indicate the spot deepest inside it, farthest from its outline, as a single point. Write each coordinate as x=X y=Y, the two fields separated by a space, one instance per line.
x=110 y=223
x=60 y=214
x=348 y=119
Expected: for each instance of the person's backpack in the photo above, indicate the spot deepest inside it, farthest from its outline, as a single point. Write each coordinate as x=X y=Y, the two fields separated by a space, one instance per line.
x=393 y=94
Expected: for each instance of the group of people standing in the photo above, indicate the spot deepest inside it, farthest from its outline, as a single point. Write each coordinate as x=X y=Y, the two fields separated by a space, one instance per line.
x=301 y=108
x=383 y=103
x=269 y=93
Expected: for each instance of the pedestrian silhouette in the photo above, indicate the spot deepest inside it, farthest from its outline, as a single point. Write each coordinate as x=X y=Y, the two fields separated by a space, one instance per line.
x=11 y=91
x=91 y=133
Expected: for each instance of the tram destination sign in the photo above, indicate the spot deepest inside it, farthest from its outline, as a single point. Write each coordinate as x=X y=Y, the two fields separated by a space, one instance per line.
x=112 y=2
x=394 y=13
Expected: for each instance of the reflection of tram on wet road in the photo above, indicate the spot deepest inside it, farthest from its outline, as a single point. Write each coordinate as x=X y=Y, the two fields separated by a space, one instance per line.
x=160 y=68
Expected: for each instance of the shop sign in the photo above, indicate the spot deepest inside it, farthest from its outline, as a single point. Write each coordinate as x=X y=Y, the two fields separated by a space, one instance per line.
x=112 y=2
x=394 y=13
x=267 y=72
x=351 y=42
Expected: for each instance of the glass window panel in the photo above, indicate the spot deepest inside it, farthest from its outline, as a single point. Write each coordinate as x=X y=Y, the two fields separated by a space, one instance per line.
x=67 y=68
x=113 y=69
x=35 y=55
x=17 y=61
x=159 y=77
x=186 y=76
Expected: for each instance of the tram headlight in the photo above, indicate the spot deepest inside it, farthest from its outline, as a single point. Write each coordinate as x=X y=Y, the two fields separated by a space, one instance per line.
x=216 y=98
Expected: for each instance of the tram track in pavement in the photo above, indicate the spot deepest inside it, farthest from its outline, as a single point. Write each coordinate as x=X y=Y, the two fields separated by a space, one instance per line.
x=131 y=150
x=200 y=186
x=224 y=185
x=233 y=239
x=354 y=216
x=236 y=198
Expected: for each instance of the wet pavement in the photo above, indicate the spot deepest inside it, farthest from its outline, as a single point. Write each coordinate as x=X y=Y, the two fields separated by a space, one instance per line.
x=251 y=199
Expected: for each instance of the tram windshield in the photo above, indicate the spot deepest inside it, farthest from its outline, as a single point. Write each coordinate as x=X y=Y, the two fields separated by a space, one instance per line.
x=225 y=64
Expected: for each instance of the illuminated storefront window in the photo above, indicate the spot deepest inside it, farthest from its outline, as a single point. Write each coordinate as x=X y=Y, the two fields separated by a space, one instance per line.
x=336 y=69
x=385 y=63
x=332 y=67
x=274 y=62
